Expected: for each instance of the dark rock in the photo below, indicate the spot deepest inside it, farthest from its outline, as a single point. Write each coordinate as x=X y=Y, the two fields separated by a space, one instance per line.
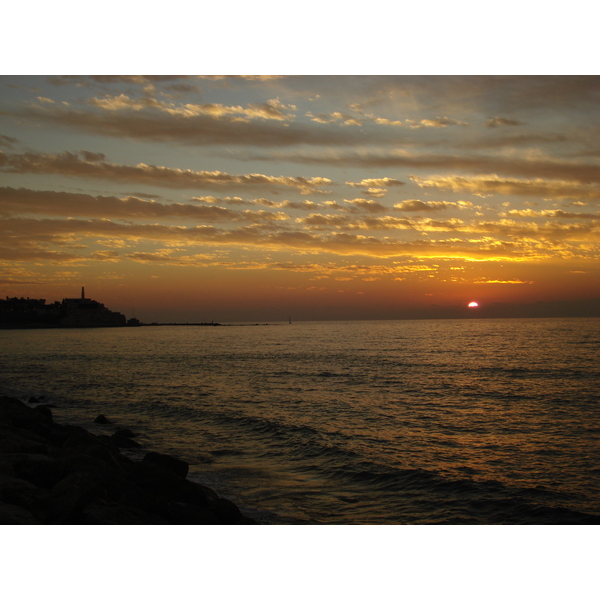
x=227 y=511
x=45 y=411
x=124 y=442
x=20 y=492
x=135 y=496
x=5 y=466
x=38 y=469
x=33 y=400
x=175 y=465
x=183 y=513
x=69 y=496
x=62 y=474
x=67 y=435
x=14 y=441
x=42 y=430
x=96 y=458
x=194 y=493
x=102 y=420
x=157 y=479
x=112 y=513
x=14 y=412
x=125 y=433
x=11 y=514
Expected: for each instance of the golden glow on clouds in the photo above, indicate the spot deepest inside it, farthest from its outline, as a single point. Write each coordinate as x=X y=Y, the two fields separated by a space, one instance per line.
x=415 y=194
x=493 y=184
x=271 y=109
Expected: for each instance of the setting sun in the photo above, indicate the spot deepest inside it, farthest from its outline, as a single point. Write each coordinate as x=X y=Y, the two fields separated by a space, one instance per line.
x=473 y=304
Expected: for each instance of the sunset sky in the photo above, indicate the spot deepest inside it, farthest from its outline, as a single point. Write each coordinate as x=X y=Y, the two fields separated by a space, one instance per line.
x=255 y=198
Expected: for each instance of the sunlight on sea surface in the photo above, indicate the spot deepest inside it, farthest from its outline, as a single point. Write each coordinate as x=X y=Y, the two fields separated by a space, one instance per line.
x=457 y=421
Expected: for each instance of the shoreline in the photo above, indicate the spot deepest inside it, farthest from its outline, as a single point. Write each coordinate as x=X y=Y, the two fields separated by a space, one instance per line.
x=60 y=474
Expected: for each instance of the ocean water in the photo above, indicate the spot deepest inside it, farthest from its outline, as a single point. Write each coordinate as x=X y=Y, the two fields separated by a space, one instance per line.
x=477 y=421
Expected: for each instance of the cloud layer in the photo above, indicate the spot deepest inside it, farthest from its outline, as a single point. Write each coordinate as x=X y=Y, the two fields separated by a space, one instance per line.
x=444 y=181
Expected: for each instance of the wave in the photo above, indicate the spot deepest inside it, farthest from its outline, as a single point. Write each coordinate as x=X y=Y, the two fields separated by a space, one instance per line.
x=439 y=498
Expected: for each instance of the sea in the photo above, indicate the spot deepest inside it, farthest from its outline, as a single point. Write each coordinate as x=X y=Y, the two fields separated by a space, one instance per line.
x=470 y=421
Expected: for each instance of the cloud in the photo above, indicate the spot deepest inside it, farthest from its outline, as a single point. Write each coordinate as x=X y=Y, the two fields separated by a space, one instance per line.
x=271 y=109
x=371 y=206
x=376 y=182
x=436 y=122
x=7 y=141
x=493 y=184
x=30 y=253
x=558 y=214
x=420 y=206
x=236 y=200
x=29 y=239
x=108 y=255
x=503 y=281
x=25 y=201
x=500 y=122
x=306 y=205
x=386 y=122
x=334 y=117
x=512 y=166
x=62 y=80
x=93 y=164
x=193 y=127
x=93 y=156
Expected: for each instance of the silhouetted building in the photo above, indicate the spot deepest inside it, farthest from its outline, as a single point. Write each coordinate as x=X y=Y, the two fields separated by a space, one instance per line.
x=71 y=312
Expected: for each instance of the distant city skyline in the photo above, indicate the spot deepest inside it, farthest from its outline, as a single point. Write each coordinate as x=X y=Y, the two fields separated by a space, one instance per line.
x=321 y=197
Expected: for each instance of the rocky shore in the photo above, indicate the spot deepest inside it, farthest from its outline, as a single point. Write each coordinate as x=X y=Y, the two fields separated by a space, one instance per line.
x=53 y=474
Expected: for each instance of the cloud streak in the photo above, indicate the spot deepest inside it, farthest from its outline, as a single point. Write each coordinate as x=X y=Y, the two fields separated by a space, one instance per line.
x=342 y=243
x=198 y=129
x=25 y=201
x=521 y=166
x=90 y=164
x=492 y=184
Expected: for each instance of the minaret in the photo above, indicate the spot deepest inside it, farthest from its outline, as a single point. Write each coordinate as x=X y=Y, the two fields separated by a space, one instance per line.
x=82 y=293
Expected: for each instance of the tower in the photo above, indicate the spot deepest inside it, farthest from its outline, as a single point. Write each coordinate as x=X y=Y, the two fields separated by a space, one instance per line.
x=82 y=293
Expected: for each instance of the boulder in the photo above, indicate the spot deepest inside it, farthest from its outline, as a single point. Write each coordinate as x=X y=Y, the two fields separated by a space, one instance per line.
x=14 y=413
x=38 y=469
x=156 y=479
x=44 y=410
x=101 y=420
x=112 y=513
x=11 y=514
x=227 y=511
x=62 y=474
x=21 y=493
x=71 y=436
x=175 y=465
x=121 y=441
x=125 y=433
x=13 y=441
x=70 y=495
x=183 y=513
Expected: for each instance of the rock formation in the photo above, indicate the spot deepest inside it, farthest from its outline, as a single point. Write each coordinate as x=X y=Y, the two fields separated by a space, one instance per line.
x=61 y=475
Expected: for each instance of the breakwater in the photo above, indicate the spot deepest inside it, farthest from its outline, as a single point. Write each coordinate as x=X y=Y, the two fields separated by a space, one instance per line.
x=60 y=474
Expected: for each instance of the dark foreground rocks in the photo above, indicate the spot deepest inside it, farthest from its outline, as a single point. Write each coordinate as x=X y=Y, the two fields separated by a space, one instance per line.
x=52 y=474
